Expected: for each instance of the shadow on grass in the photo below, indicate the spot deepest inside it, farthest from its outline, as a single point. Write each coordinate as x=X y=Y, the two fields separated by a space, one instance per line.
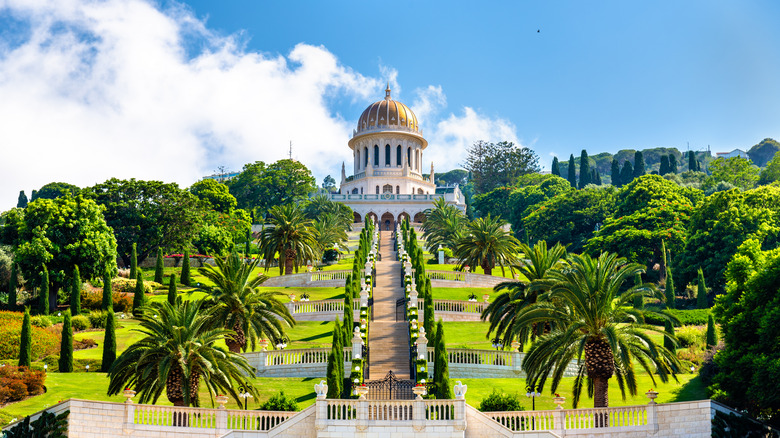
x=693 y=390
x=306 y=397
x=315 y=337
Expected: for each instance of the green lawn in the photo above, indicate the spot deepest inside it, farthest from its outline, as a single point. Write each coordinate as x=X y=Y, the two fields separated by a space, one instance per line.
x=125 y=336
x=462 y=334
x=474 y=270
x=461 y=293
x=310 y=334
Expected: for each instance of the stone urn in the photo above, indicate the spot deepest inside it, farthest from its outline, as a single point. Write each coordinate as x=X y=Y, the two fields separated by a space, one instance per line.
x=485 y=297
x=652 y=396
x=559 y=401
x=221 y=401
x=263 y=344
x=419 y=391
x=361 y=391
x=129 y=394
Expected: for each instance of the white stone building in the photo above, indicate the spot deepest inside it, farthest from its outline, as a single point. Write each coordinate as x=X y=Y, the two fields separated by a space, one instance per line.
x=388 y=183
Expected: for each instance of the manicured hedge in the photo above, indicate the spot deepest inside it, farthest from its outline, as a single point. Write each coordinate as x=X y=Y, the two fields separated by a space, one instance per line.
x=686 y=317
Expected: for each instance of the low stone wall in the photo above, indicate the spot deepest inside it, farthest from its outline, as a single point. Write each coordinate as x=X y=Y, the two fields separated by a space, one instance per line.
x=310 y=279
x=312 y=362
x=170 y=262
x=487 y=364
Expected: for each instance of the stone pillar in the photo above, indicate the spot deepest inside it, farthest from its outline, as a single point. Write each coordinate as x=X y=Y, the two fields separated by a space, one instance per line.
x=321 y=406
x=517 y=357
x=362 y=413
x=418 y=414
x=363 y=296
x=221 y=419
x=357 y=344
x=652 y=414
x=129 y=409
x=460 y=405
x=422 y=346
x=413 y=298
x=441 y=255
x=559 y=421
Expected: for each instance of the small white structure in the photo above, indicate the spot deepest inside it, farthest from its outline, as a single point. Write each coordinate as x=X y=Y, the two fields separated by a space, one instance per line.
x=735 y=153
x=388 y=183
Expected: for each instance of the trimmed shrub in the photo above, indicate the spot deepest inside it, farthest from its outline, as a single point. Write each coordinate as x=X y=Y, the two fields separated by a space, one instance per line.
x=690 y=336
x=185 y=269
x=500 y=402
x=25 y=341
x=711 y=338
x=172 y=290
x=41 y=321
x=66 y=346
x=669 y=342
x=127 y=285
x=16 y=383
x=75 y=292
x=139 y=299
x=133 y=261
x=80 y=323
x=12 y=295
x=158 y=267
x=106 y=302
x=280 y=402
x=109 y=344
x=686 y=317
x=44 y=292
x=97 y=319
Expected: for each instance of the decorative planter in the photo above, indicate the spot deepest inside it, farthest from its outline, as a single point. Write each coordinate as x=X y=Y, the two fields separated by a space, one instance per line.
x=420 y=391
x=652 y=396
x=485 y=297
x=129 y=394
x=221 y=401
x=263 y=344
x=361 y=391
x=559 y=401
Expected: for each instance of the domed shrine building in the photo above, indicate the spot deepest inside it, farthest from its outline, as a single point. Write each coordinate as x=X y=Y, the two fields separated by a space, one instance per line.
x=387 y=181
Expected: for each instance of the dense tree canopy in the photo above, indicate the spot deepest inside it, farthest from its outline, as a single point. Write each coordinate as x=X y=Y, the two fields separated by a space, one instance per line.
x=151 y=214
x=55 y=190
x=62 y=233
x=523 y=200
x=455 y=176
x=737 y=171
x=764 y=151
x=214 y=195
x=495 y=165
x=260 y=186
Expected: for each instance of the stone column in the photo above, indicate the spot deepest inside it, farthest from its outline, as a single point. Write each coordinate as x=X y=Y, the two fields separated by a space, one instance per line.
x=129 y=409
x=517 y=358
x=362 y=413
x=422 y=346
x=363 y=296
x=357 y=344
x=221 y=415
x=460 y=405
x=413 y=298
x=652 y=415
x=321 y=406
x=418 y=414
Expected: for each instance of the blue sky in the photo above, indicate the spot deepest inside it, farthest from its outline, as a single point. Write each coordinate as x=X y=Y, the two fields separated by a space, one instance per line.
x=168 y=90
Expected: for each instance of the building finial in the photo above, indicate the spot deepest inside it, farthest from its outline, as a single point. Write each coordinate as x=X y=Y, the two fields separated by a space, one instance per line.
x=387 y=91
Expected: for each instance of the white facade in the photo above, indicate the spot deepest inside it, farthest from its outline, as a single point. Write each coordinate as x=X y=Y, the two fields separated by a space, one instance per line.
x=388 y=183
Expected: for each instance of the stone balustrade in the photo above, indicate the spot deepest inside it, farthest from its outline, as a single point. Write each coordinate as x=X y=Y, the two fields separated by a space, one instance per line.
x=199 y=418
x=465 y=363
x=624 y=418
x=307 y=362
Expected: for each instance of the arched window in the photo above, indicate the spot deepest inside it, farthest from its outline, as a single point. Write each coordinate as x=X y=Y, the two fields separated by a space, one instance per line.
x=361 y=190
x=409 y=157
x=398 y=156
x=387 y=188
x=419 y=191
x=357 y=154
x=365 y=155
x=377 y=190
x=354 y=191
x=397 y=190
x=376 y=157
x=387 y=155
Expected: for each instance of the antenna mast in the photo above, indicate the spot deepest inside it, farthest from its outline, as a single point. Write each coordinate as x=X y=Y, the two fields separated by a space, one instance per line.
x=290 y=153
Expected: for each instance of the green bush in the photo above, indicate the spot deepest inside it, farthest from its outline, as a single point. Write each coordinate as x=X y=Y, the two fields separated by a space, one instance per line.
x=80 y=322
x=41 y=321
x=500 y=402
x=280 y=402
x=97 y=319
x=690 y=336
x=120 y=284
x=44 y=342
x=17 y=383
x=686 y=317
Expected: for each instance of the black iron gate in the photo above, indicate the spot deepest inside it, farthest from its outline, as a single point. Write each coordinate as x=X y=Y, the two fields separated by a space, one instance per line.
x=390 y=388
x=400 y=309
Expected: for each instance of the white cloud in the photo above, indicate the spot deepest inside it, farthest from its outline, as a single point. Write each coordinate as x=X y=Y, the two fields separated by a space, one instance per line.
x=113 y=89
x=450 y=137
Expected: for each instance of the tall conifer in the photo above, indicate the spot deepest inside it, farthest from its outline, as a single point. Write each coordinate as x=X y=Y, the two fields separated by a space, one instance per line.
x=12 y=294
x=672 y=163
x=664 y=169
x=108 y=301
x=185 y=269
x=712 y=336
x=25 y=343
x=441 y=366
x=627 y=173
x=555 y=167
x=572 y=172
x=585 y=173
x=109 y=343
x=639 y=164
x=133 y=261
x=66 y=346
x=158 y=267
x=701 y=291
x=44 y=294
x=22 y=201
x=692 y=161
x=75 y=292
x=139 y=298
x=615 y=173
x=172 y=290
x=638 y=300
x=668 y=343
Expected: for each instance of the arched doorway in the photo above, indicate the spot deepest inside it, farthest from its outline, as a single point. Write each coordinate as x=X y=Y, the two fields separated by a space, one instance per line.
x=372 y=216
x=403 y=216
x=357 y=217
x=388 y=222
x=419 y=217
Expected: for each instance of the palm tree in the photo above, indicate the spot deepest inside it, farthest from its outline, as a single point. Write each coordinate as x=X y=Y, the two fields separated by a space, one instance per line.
x=517 y=295
x=443 y=225
x=486 y=243
x=321 y=204
x=290 y=236
x=240 y=306
x=595 y=324
x=329 y=232
x=178 y=352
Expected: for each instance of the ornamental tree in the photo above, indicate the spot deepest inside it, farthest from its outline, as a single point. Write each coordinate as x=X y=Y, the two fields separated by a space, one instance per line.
x=158 y=266
x=75 y=291
x=66 y=346
x=25 y=341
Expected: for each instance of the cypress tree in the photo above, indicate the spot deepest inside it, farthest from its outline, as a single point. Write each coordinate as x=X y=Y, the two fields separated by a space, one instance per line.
x=429 y=321
x=172 y=290
x=158 y=267
x=669 y=288
x=33 y=195
x=615 y=173
x=109 y=343
x=639 y=164
x=108 y=300
x=698 y=166
x=668 y=343
x=22 y=201
x=638 y=301
x=139 y=299
x=596 y=177
x=555 y=167
x=75 y=292
x=584 y=169
x=66 y=346
x=701 y=292
x=691 y=161
x=25 y=343
x=712 y=337
x=572 y=176
x=441 y=367
x=627 y=173
x=349 y=316
x=672 y=163
x=185 y=269
x=333 y=379
x=12 y=297
x=664 y=169
x=44 y=294
x=133 y=261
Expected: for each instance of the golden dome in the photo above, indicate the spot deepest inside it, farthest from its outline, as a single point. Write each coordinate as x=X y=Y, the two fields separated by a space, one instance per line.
x=387 y=114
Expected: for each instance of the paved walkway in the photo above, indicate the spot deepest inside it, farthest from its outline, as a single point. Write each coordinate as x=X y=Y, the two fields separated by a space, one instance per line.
x=388 y=339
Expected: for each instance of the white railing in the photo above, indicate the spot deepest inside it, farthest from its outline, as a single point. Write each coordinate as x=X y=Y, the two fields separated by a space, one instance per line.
x=385 y=197
x=319 y=306
x=256 y=420
x=342 y=409
x=302 y=356
x=476 y=357
x=329 y=275
x=390 y=410
x=441 y=410
x=394 y=410
x=446 y=275
x=200 y=418
x=572 y=419
x=457 y=306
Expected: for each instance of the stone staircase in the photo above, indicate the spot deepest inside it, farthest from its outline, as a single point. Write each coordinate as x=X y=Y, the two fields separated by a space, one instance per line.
x=388 y=339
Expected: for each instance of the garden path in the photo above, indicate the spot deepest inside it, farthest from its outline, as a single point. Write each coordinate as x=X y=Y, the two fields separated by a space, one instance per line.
x=388 y=339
